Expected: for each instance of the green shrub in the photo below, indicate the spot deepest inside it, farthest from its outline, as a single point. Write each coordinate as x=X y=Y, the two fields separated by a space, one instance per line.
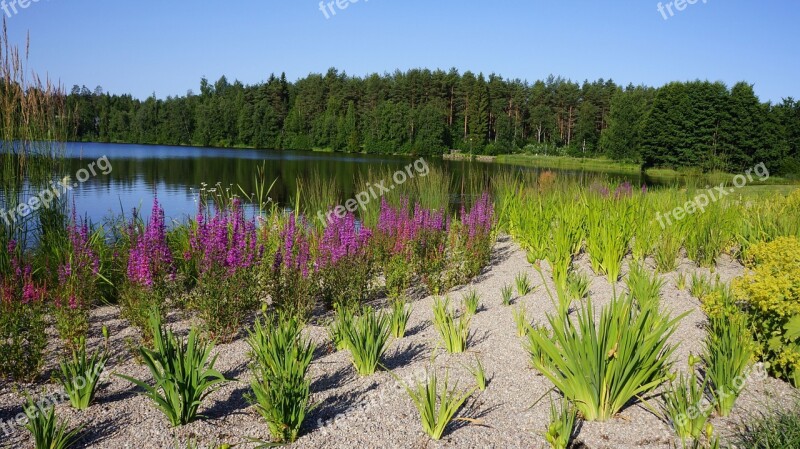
x=224 y=300
x=23 y=336
x=281 y=389
x=770 y=293
x=367 y=339
x=600 y=366
x=728 y=352
x=181 y=371
x=562 y=424
x=47 y=431
x=437 y=409
x=80 y=375
x=454 y=332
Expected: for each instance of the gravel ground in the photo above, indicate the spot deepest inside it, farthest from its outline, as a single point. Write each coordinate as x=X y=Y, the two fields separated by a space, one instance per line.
x=376 y=412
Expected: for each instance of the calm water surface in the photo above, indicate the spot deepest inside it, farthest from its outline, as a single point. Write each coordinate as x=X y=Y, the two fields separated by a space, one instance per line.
x=175 y=174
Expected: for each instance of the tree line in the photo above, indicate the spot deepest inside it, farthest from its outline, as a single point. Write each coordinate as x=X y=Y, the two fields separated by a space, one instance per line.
x=422 y=112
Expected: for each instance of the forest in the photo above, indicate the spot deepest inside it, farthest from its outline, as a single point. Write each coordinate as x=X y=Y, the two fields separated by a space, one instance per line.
x=694 y=124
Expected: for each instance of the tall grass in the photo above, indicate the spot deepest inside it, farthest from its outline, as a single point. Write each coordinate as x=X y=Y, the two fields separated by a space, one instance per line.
x=35 y=123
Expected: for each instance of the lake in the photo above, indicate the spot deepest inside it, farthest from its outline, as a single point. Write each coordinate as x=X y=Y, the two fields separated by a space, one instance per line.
x=176 y=174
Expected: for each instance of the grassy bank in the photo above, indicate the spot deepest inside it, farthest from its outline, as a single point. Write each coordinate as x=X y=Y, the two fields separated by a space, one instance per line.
x=568 y=163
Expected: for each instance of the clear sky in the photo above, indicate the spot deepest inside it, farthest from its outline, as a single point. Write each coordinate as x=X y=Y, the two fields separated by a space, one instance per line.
x=165 y=46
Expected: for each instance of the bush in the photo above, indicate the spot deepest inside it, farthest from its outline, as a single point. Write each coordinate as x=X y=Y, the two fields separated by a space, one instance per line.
x=77 y=288
x=345 y=263
x=181 y=371
x=281 y=390
x=600 y=366
x=22 y=321
x=770 y=295
x=291 y=279
x=150 y=271
x=224 y=250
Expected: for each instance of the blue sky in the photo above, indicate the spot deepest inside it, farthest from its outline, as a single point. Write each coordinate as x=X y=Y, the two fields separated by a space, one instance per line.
x=164 y=47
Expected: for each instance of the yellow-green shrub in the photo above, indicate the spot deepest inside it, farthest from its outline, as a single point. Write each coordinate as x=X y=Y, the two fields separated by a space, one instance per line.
x=770 y=294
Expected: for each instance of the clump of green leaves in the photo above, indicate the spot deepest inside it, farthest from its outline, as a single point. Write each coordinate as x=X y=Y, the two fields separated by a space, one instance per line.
x=337 y=329
x=578 y=285
x=777 y=430
x=601 y=365
x=281 y=389
x=471 y=302
x=454 y=331
x=644 y=288
x=479 y=374
x=401 y=312
x=437 y=405
x=683 y=406
x=667 y=249
x=181 y=370
x=701 y=286
x=80 y=375
x=728 y=352
x=523 y=284
x=507 y=293
x=47 y=430
x=562 y=424
x=367 y=339
x=521 y=320
x=680 y=281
